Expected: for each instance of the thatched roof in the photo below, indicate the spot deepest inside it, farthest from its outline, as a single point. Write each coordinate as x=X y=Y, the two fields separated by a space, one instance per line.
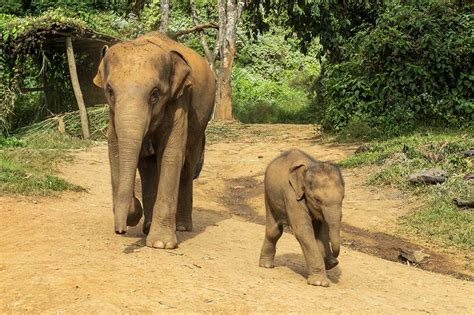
x=51 y=36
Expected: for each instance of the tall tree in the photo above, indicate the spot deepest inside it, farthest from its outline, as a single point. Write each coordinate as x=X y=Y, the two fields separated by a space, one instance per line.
x=229 y=15
x=165 y=15
x=221 y=58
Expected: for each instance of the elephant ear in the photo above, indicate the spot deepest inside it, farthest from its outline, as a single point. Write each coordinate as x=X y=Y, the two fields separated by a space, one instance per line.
x=296 y=178
x=180 y=75
x=98 y=77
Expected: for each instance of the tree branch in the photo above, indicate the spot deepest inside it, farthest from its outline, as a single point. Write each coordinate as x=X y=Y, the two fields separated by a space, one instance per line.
x=208 y=53
x=193 y=29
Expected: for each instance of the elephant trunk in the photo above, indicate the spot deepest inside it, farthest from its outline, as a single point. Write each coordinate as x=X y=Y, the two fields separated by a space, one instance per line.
x=335 y=240
x=131 y=128
x=333 y=219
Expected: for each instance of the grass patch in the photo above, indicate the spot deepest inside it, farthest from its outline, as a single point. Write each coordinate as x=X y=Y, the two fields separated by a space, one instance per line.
x=439 y=219
x=441 y=222
x=27 y=163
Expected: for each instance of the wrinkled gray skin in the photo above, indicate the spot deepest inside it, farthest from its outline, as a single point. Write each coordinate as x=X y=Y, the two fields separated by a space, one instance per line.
x=161 y=95
x=307 y=195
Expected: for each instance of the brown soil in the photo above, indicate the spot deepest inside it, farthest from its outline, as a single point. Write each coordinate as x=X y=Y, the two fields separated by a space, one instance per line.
x=60 y=255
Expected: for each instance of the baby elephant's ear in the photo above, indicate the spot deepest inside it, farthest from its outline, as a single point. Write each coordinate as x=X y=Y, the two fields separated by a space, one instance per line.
x=296 y=178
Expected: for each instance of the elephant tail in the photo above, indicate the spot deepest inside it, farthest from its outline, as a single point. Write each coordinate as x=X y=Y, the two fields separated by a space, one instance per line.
x=200 y=163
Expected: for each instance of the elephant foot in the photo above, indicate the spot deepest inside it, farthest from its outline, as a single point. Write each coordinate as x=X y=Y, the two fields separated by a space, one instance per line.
x=330 y=262
x=318 y=280
x=135 y=213
x=184 y=226
x=161 y=239
x=266 y=263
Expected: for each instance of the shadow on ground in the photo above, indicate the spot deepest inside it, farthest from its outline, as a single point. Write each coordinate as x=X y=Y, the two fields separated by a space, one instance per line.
x=240 y=190
x=203 y=218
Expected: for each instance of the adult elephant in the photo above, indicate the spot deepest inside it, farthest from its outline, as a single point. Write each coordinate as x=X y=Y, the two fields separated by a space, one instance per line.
x=161 y=95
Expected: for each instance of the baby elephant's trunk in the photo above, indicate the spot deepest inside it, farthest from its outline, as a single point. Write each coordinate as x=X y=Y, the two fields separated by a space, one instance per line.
x=335 y=240
x=333 y=218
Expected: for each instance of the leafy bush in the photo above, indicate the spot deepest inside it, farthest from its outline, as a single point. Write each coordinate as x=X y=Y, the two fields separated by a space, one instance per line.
x=438 y=219
x=259 y=100
x=11 y=142
x=413 y=68
x=270 y=79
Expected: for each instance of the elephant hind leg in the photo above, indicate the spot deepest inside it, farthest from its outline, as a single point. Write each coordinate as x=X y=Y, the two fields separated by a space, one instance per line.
x=147 y=167
x=184 y=221
x=200 y=162
x=273 y=232
x=135 y=212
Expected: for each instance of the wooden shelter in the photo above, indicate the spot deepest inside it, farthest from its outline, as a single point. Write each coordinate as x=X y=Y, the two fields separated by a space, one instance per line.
x=72 y=49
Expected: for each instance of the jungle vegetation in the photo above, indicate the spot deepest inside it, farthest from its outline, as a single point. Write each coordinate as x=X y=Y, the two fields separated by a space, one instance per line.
x=383 y=67
x=398 y=73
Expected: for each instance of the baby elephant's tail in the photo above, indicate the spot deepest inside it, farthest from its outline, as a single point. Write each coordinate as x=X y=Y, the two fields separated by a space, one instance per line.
x=200 y=163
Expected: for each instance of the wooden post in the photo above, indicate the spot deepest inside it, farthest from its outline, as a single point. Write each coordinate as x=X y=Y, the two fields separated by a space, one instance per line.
x=77 y=88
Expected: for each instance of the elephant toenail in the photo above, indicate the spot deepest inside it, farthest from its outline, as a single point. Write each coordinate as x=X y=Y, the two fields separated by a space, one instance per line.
x=120 y=232
x=159 y=245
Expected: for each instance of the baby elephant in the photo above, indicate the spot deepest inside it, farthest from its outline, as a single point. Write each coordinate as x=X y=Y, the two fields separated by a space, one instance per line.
x=305 y=194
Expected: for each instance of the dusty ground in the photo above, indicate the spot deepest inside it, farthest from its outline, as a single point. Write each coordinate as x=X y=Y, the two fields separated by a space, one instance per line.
x=60 y=255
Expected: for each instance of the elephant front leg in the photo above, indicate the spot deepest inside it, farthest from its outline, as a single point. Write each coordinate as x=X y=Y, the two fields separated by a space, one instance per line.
x=163 y=225
x=302 y=226
x=321 y=234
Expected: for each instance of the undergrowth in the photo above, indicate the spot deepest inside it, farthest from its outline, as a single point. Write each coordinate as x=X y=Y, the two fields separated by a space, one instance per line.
x=28 y=163
x=439 y=219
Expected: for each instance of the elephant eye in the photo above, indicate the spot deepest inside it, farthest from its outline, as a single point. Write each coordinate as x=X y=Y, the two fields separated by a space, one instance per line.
x=110 y=92
x=154 y=96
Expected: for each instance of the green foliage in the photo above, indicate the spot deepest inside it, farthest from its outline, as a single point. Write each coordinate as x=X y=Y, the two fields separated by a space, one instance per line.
x=414 y=67
x=259 y=100
x=24 y=7
x=331 y=21
x=399 y=157
x=270 y=79
x=11 y=142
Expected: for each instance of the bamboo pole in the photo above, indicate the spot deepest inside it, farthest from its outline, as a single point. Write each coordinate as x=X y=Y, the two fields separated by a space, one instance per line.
x=77 y=88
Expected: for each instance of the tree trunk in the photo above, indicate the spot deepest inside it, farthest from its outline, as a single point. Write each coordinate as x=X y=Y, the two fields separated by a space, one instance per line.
x=77 y=88
x=228 y=18
x=165 y=14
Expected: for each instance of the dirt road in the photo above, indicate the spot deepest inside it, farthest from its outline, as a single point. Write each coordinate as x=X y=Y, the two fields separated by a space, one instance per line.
x=60 y=255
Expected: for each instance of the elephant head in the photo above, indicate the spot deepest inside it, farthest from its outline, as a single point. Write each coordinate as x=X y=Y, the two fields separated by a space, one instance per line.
x=141 y=80
x=321 y=186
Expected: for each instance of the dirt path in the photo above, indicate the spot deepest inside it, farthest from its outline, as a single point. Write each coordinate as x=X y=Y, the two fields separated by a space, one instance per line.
x=59 y=255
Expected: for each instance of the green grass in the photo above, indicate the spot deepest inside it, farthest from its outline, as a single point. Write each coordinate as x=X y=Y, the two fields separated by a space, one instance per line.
x=28 y=163
x=441 y=222
x=438 y=220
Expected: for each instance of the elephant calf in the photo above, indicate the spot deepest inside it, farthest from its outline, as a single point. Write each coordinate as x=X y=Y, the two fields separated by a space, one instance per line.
x=305 y=194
